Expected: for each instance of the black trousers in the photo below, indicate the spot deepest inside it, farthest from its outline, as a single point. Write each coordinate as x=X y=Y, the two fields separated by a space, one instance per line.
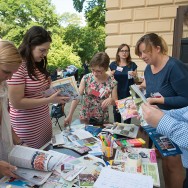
x=117 y=116
x=185 y=183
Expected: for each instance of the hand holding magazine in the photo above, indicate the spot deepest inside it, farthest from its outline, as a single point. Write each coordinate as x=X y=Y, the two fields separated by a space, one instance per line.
x=67 y=86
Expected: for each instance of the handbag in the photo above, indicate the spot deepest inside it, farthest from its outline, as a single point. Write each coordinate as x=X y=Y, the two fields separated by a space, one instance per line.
x=57 y=111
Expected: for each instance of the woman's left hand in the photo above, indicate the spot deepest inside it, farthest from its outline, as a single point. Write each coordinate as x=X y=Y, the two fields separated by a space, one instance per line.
x=155 y=100
x=106 y=103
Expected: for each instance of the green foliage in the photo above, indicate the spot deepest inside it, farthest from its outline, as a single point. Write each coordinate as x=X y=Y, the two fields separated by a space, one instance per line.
x=18 y=16
x=85 y=41
x=94 y=11
x=61 y=55
x=72 y=44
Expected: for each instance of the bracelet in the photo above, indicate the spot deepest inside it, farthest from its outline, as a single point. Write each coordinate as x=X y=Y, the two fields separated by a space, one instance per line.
x=21 y=143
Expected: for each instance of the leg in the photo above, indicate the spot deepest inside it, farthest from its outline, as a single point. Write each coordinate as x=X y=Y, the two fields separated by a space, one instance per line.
x=173 y=171
x=117 y=116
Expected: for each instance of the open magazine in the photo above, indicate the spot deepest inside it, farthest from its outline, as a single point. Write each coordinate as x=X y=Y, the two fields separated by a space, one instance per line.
x=93 y=166
x=67 y=86
x=148 y=163
x=33 y=165
x=138 y=98
x=128 y=130
x=123 y=106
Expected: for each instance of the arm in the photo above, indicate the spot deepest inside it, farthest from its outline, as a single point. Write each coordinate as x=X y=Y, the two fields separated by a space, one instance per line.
x=19 y=101
x=111 y=99
x=74 y=104
x=175 y=129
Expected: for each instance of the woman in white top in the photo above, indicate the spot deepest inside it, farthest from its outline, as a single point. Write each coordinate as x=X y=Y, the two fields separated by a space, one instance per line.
x=10 y=61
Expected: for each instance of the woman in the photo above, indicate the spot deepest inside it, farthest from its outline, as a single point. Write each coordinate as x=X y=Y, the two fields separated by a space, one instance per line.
x=29 y=110
x=99 y=91
x=125 y=73
x=166 y=80
x=10 y=61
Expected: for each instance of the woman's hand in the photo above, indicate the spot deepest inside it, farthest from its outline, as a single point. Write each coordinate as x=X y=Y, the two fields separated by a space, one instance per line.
x=56 y=98
x=155 y=100
x=107 y=102
x=151 y=114
x=67 y=120
x=7 y=169
x=111 y=73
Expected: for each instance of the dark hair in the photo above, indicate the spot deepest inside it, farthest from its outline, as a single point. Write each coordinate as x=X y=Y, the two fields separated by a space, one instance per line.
x=35 y=36
x=150 y=40
x=117 y=54
x=100 y=59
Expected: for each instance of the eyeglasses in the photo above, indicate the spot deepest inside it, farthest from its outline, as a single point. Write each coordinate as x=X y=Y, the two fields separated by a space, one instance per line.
x=124 y=51
x=97 y=71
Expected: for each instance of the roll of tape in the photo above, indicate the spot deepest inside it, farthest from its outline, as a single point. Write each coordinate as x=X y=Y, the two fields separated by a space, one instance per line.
x=134 y=160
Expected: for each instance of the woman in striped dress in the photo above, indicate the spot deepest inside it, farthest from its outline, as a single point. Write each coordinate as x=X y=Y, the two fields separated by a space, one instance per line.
x=29 y=110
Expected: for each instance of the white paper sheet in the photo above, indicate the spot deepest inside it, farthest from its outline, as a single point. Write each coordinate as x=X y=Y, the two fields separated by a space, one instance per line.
x=115 y=179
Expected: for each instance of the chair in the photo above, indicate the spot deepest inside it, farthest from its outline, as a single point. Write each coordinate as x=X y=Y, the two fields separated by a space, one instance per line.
x=57 y=112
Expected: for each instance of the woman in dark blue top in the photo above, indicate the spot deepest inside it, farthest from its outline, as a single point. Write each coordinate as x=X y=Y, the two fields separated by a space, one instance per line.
x=166 y=86
x=124 y=71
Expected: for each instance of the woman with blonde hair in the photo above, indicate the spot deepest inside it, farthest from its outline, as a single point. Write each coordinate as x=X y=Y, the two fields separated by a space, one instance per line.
x=10 y=61
x=166 y=80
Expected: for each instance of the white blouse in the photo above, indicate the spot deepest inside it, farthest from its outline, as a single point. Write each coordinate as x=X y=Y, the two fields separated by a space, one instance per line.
x=6 y=142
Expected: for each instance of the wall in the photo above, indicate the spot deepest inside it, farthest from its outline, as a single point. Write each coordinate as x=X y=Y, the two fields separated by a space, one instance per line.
x=128 y=20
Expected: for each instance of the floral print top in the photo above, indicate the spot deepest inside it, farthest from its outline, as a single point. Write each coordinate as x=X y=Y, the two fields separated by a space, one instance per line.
x=91 y=104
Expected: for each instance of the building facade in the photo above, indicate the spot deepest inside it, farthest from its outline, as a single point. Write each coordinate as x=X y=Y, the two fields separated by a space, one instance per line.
x=128 y=20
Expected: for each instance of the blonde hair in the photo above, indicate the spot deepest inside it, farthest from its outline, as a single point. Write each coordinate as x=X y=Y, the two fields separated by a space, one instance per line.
x=9 y=53
x=150 y=40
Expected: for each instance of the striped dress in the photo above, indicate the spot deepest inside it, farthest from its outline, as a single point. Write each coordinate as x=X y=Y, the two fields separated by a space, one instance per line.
x=33 y=125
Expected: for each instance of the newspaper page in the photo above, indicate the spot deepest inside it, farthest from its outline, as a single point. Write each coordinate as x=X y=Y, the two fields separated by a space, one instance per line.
x=113 y=178
x=149 y=165
x=67 y=86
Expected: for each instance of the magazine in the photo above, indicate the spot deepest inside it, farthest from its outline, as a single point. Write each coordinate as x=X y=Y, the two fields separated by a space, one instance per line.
x=15 y=183
x=57 y=181
x=138 y=98
x=67 y=86
x=149 y=165
x=123 y=106
x=127 y=130
x=59 y=139
x=35 y=165
x=165 y=146
x=93 y=166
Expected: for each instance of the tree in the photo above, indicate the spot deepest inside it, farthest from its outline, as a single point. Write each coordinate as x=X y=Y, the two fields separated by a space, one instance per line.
x=18 y=16
x=85 y=40
x=94 y=11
